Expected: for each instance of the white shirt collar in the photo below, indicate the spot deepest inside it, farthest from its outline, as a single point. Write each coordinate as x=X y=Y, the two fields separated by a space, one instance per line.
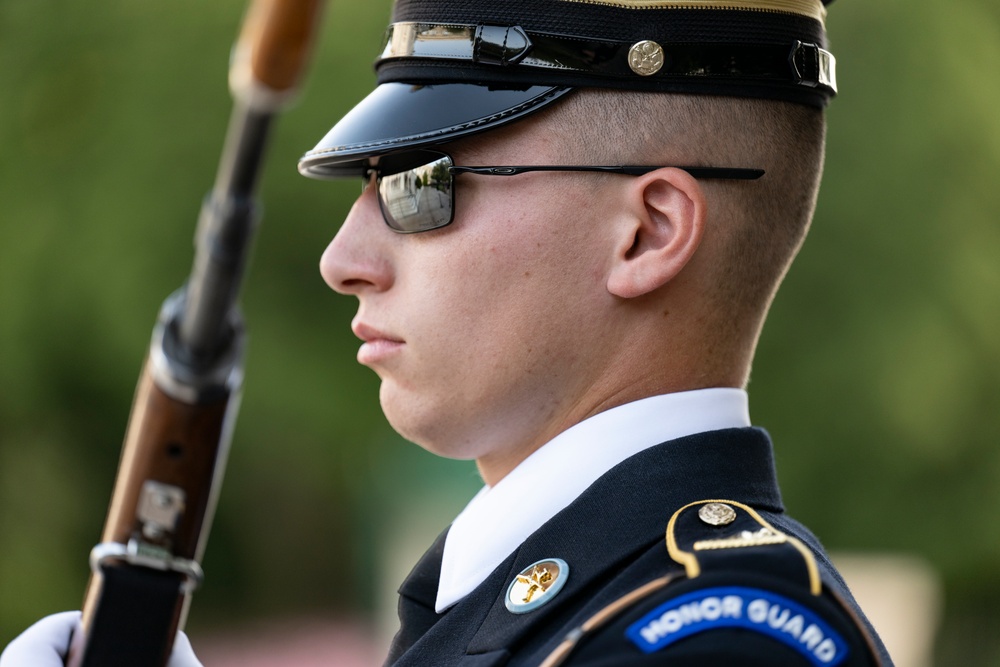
x=501 y=517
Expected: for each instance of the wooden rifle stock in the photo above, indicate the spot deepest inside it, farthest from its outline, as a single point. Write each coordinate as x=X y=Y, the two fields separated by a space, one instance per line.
x=148 y=561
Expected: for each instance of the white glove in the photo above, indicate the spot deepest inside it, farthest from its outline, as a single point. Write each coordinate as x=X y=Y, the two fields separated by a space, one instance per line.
x=46 y=643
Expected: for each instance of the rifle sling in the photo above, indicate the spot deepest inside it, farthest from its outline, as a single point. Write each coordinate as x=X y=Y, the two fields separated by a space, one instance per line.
x=135 y=617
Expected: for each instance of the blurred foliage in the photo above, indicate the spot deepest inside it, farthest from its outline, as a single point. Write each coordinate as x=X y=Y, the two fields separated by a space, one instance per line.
x=878 y=373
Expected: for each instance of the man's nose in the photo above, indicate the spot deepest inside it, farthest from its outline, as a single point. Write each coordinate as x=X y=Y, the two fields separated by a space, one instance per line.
x=357 y=259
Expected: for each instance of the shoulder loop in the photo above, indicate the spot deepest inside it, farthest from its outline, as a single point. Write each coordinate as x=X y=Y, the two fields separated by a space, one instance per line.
x=710 y=535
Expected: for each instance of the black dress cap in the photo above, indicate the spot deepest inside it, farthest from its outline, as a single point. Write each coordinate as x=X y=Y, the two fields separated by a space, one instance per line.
x=450 y=68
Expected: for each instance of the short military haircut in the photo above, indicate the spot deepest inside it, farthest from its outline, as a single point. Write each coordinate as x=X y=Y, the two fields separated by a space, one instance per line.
x=760 y=224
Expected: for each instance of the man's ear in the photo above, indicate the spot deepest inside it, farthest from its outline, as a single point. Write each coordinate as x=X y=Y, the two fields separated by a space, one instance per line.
x=662 y=228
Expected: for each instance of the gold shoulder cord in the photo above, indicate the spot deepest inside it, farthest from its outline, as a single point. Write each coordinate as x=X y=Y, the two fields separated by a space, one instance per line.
x=558 y=656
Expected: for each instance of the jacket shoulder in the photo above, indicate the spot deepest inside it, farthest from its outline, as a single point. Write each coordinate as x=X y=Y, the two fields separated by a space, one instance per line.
x=746 y=594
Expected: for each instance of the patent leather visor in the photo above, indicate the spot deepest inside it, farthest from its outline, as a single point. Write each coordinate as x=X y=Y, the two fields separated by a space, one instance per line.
x=401 y=116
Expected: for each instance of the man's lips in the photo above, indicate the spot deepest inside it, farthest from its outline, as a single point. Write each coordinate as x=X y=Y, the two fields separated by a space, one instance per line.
x=377 y=344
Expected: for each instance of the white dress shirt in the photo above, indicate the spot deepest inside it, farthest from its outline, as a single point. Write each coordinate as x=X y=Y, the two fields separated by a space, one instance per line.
x=501 y=517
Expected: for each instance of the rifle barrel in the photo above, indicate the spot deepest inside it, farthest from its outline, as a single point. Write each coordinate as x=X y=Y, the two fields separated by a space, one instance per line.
x=176 y=443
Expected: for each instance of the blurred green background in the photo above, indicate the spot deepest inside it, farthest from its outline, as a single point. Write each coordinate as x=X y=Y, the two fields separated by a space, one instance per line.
x=878 y=374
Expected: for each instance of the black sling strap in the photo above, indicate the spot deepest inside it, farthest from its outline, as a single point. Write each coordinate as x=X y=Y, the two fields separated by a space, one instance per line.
x=134 y=621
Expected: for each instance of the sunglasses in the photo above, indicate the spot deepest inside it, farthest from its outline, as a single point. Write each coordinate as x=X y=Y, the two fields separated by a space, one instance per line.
x=416 y=190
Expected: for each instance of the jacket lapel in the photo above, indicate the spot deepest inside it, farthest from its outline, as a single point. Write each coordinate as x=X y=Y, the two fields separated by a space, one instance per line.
x=416 y=600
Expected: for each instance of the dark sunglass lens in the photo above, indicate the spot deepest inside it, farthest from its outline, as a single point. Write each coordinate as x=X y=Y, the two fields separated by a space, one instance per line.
x=419 y=198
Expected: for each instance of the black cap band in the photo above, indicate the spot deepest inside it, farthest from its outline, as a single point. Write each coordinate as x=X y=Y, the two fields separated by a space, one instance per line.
x=500 y=55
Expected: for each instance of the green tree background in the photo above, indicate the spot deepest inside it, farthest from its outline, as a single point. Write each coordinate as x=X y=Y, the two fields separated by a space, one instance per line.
x=878 y=373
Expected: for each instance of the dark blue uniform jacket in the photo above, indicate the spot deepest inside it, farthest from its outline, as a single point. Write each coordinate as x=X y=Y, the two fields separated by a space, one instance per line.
x=650 y=583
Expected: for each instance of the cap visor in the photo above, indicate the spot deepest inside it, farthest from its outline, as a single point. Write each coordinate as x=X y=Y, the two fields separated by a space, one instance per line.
x=401 y=116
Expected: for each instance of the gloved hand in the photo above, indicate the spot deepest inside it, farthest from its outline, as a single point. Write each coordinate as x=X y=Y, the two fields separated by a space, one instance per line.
x=46 y=643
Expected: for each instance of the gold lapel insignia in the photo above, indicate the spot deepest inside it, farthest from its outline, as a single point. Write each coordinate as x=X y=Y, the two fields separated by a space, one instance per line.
x=536 y=584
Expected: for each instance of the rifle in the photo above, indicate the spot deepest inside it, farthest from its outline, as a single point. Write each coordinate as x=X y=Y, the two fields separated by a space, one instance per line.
x=147 y=563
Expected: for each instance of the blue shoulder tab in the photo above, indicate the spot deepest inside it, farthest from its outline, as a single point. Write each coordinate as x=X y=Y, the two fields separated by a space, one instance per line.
x=740 y=607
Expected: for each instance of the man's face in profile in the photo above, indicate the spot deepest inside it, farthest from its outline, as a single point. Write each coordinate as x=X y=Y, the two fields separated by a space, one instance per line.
x=479 y=330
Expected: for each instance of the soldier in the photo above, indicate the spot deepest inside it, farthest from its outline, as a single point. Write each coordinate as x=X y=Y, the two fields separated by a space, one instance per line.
x=576 y=214
x=618 y=189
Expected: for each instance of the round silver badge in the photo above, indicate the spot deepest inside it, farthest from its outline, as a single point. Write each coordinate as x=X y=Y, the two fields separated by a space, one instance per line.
x=536 y=585
x=717 y=514
x=645 y=57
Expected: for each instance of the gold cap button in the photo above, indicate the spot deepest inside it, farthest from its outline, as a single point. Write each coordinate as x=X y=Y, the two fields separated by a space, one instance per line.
x=717 y=514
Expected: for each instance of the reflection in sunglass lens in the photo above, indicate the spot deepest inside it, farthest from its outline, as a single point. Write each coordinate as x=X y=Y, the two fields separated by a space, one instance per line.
x=419 y=198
